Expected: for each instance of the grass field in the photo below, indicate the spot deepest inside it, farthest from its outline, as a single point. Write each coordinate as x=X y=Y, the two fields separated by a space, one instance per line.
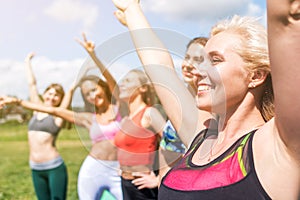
x=15 y=174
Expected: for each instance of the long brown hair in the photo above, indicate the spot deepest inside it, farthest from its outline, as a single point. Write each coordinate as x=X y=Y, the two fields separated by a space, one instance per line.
x=58 y=88
x=91 y=107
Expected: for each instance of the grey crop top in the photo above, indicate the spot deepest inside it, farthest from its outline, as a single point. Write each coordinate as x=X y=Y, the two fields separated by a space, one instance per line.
x=46 y=124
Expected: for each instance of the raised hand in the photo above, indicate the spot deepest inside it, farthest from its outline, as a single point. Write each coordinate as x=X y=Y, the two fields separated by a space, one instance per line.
x=121 y=17
x=88 y=45
x=29 y=56
x=122 y=5
x=6 y=100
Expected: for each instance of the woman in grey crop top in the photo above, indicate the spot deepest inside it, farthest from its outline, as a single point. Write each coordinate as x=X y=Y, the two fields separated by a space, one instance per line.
x=43 y=130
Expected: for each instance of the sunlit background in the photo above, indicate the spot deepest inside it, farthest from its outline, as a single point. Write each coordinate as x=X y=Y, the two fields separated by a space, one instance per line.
x=48 y=28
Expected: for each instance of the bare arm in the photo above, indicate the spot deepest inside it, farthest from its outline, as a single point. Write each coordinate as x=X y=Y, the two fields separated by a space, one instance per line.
x=178 y=103
x=33 y=92
x=153 y=118
x=81 y=119
x=66 y=102
x=89 y=46
x=284 y=43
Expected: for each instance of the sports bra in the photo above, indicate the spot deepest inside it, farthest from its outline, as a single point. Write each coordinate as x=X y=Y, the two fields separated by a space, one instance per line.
x=230 y=176
x=99 y=132
x=170 y=140
x=46 y=124
x=136 y=144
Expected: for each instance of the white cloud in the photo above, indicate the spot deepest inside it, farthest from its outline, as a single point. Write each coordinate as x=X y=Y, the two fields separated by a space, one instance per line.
x=31 y=18
x=14 y=81
x=73 y=11
x=254 y=10
x=201 y=10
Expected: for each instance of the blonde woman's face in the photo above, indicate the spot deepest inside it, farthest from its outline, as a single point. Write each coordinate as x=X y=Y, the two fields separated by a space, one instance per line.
x=222 y=86
x=52 y=98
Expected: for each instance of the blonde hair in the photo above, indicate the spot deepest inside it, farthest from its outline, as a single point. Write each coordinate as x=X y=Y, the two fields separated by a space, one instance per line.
x=254 y=51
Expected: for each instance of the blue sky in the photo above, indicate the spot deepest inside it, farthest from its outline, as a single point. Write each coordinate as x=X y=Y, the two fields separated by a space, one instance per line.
x=48 y=28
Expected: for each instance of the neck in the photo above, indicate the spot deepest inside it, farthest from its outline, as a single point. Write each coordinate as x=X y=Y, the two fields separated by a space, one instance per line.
x=135 y=105
x=102 y=109
x=235 y=124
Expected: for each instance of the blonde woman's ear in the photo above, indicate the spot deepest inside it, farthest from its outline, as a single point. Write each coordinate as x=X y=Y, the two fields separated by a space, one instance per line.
x=252 y=85
x=258 y=78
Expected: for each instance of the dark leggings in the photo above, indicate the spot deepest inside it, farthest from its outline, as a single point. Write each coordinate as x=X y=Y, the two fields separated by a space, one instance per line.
x=51 y=184
x=130 y=192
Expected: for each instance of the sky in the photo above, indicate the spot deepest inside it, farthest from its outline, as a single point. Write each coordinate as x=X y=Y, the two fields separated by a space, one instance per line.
x=48 y=28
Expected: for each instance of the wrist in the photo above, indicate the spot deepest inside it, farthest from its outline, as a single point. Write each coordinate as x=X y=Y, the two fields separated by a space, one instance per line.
x=18 y=101
x=131 y=6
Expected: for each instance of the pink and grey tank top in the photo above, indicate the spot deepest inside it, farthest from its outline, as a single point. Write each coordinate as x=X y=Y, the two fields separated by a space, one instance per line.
x=230 y=176
x=100 y=132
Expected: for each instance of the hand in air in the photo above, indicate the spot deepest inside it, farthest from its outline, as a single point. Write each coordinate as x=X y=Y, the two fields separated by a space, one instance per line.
x=122 y=5
x=6 y=100
x=121 y=17
x=29 y=56
x=88 y=45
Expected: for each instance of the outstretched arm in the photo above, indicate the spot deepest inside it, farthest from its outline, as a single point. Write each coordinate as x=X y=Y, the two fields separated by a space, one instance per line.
x=33 y=92
x=81 y=119
x=284 y=47
x=178 y=103
x=89 y=46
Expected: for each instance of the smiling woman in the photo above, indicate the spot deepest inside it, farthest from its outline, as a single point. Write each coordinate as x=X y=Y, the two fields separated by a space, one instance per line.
x=43 y=129
x=238 y=159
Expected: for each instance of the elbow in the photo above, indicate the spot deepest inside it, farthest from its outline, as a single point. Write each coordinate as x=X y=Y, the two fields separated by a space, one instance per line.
x=55 y=111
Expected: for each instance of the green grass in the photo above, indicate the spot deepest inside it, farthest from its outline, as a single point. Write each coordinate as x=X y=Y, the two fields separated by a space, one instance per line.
x=15 y=174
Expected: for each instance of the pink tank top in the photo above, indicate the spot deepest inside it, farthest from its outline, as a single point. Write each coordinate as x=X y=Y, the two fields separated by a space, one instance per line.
x=100 y=132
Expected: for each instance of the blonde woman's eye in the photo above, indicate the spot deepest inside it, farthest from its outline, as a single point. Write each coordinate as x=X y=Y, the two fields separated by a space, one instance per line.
x=215 y=61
